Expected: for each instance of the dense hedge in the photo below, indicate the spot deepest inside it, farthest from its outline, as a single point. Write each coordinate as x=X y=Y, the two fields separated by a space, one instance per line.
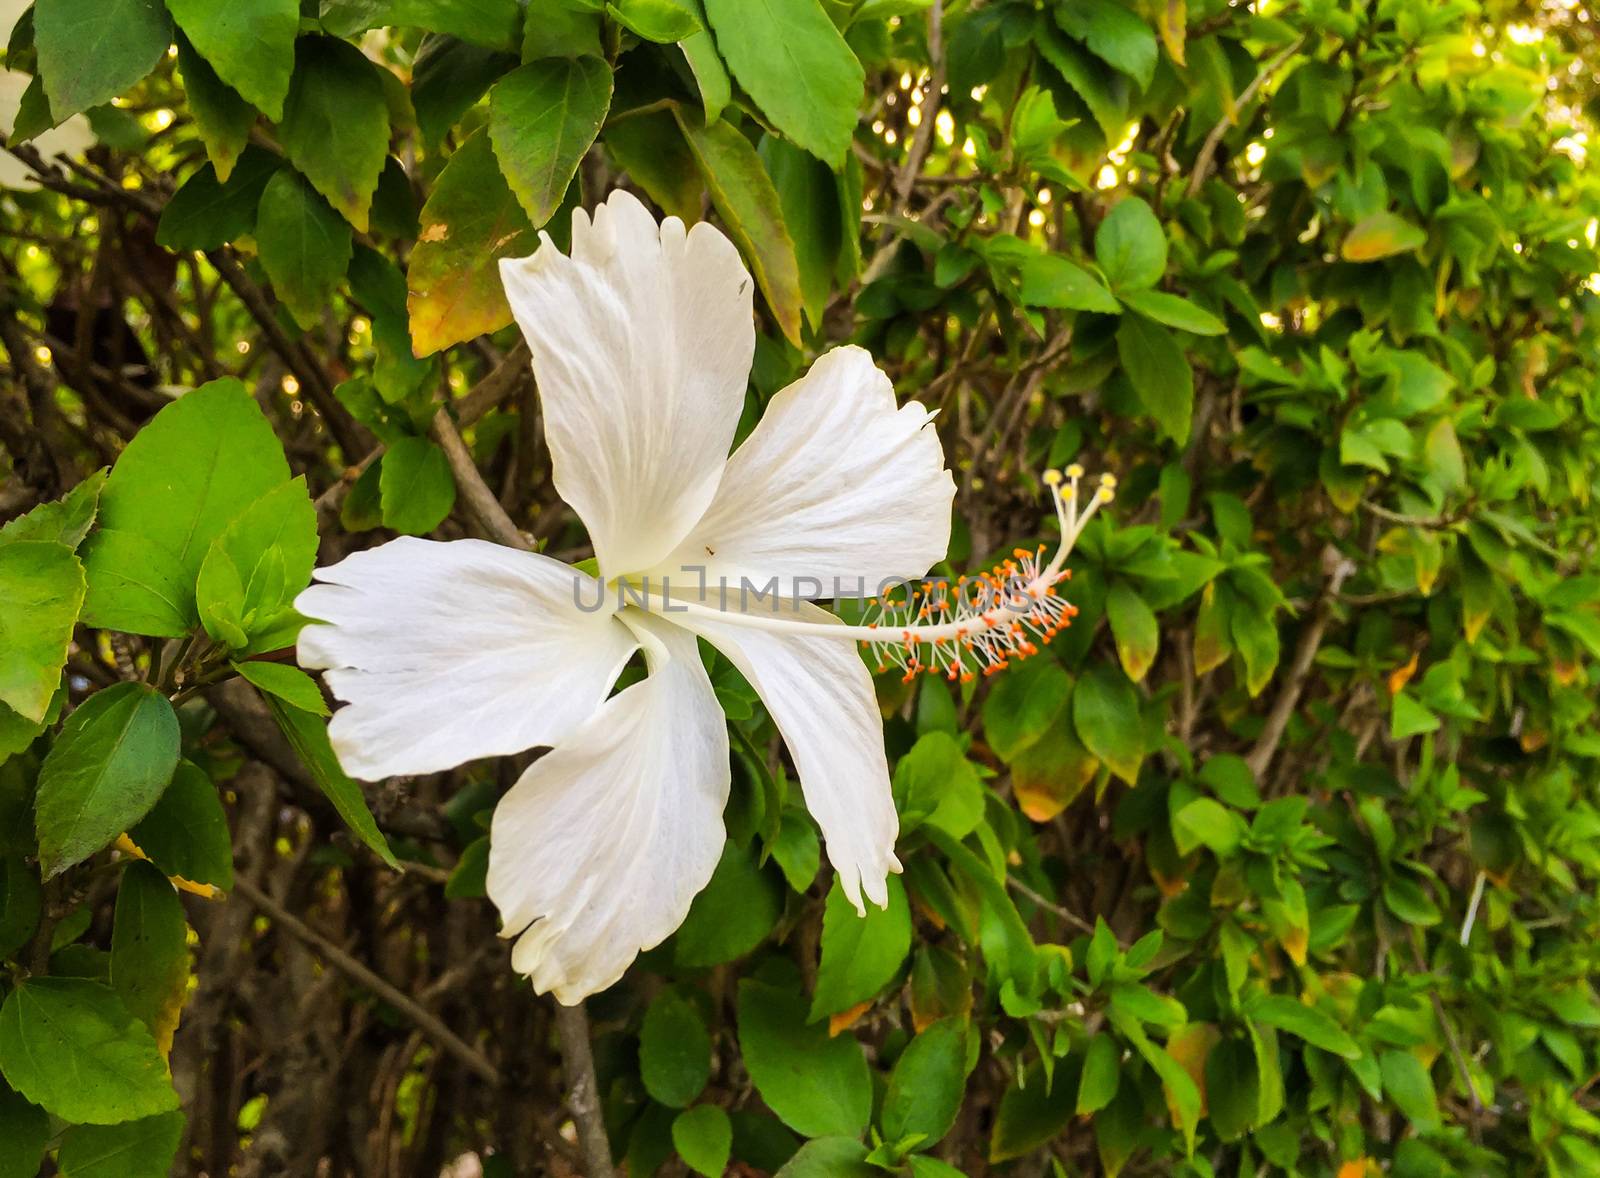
x=1281 y=860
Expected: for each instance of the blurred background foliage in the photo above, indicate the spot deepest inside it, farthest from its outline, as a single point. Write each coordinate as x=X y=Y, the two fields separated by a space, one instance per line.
x=1281 y=861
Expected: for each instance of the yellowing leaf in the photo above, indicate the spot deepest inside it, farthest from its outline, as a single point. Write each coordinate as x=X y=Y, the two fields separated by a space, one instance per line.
x=1048 y=775
x=469 y=223
x=1294 y=942
x=1212 y=645
x=744 y=195
x=1134 y=626
x=149 y=951
x=1400 y=676
x=846 y=1019
x=1172 y=19
x=1382 y=235
x=1189 y=1046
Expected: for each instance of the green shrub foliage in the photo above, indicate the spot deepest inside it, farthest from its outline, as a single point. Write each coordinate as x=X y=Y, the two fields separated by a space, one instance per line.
x=1281 y=860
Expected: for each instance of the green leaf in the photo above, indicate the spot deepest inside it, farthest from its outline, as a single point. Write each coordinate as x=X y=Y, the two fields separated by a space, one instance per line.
x=268 y=552
x=732 y=914
x=397 y=376
x=935 y=783
x=290 y=684
x=1233 y=1088
x=150 y=950
x=543 y=118
x=33 y=116
x=1304 y=1022
x=705 y=63
x=662 y=21
x=186 y=834
x=469 y=879
x=1174 y=312
x=703 y=1137
x=62 y=521
x=16 y=734
x=860 y=954
x=222 y=118
x=1135 y=629
x=1256 y=637
x=1102 y=1074
x=136 y=586
x=1159 y=373
x=200 y=462
x=486 y=22
x=20 y=903
x=1105 y=712
x=145 y=1148
x=470 y=221
x=309 y=736
x=830 y=1157
x=70 y=1045
x=1407 y=900
x=450 y=76
x=797 y=850
x=206 y=213
x=1023 y=704
x=1007 y=945
x=416 y=486
x=335 y=126
x=927 y=1085
x=249 y=43
x=743 y=193
x=674 y=1050
x=1407 y=1083
x=1230 y=778
x=790 y=58
x=652 y=150
x=817 y=1085
x=1114 y=34
x=1032 y=1111
x=1130 y=246
x=1208 y=822
x=41 y=593
x=1049 y=280
x=24 y=1135
x=115 y=755
x=90 y=51
x=305 y=246
x=1382 y=235
x=808 y=196
x=568 y=28
x=1408 y=716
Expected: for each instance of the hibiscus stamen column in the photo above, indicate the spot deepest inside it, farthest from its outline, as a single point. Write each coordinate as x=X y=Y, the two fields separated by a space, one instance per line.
x=975 y=624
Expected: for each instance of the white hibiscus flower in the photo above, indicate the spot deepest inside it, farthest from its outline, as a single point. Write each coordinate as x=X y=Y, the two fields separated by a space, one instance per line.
x=642 y=341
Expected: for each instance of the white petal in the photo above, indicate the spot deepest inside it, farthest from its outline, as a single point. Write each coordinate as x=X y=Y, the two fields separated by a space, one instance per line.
x=642 y=342
x=598 y=849
x=834 y=484
x=820 y=695
x=449 y=652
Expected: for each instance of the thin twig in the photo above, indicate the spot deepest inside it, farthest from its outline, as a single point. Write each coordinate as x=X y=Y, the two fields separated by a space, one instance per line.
x=906 y=181
x=583 y=1095
x=1299 y=671
x=1208 y=149
x=1065 y=914
x=428 y=1022
x=481 y=504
